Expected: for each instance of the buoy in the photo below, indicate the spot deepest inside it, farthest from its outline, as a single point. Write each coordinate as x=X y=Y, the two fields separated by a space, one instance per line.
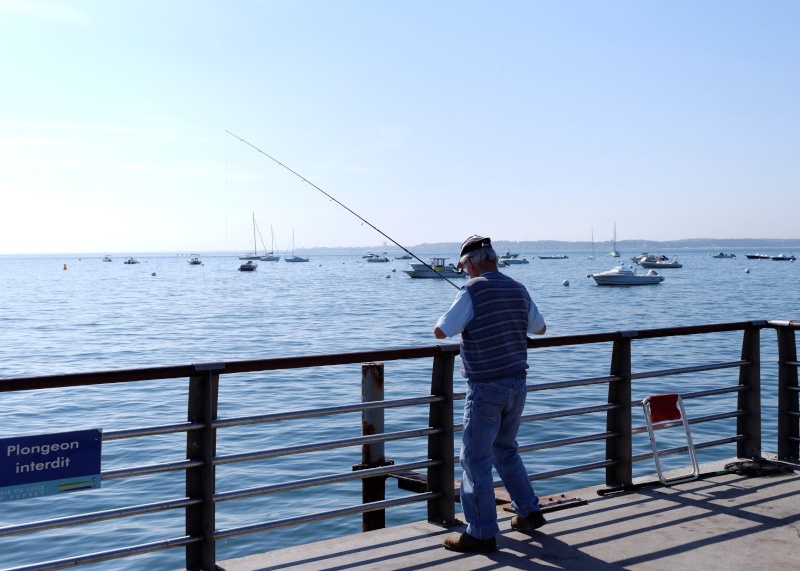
x=153 y=274
x=747 y=271
x=394 y=270
x=388 y=275
x=565 y=283
x=65 y=266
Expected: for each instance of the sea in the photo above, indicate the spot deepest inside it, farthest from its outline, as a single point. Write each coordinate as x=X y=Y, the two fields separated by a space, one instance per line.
x=76 y=313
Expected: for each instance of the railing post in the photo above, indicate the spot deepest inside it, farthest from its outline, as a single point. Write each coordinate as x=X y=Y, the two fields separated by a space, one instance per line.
x=200 y=481
x=788 y=419
x=618 y=420
x=372 y=455
x=441 y=478
x=749 y=400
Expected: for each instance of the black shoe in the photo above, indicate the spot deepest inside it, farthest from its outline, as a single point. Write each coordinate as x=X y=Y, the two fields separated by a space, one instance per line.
x=534 y=521
x=465 y=543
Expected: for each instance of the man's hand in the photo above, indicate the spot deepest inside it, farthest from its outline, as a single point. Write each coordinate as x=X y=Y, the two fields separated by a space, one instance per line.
x=438 y=333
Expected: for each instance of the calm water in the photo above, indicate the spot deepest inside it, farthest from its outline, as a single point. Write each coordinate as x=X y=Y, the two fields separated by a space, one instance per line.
x=104 y=316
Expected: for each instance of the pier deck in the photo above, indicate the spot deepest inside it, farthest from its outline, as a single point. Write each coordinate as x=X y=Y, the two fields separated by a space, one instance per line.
x=723 y=522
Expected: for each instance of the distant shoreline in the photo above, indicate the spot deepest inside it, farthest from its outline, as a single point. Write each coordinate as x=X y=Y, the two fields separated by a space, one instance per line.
x=769 y=245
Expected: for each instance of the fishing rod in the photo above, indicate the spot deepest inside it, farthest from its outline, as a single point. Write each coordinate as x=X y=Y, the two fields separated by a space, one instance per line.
x=381 y=232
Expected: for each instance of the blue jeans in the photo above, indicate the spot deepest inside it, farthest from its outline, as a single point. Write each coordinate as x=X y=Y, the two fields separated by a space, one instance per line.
x=491 y=419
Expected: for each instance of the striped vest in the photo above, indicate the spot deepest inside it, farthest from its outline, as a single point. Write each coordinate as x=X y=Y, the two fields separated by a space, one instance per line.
x=494 y=343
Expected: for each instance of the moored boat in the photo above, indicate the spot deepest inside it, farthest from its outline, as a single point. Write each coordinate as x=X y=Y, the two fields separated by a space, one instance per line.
x=436 y=269
x=554 y=257
x=131 y=260
x=723 y=255
x=248 y=266
x=784 y=258
x=194 y=260
x=757 y=256
x=107 y=258
x=621 y=276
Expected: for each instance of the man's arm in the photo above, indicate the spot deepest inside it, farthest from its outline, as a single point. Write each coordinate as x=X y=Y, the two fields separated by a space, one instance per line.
x=455 y=320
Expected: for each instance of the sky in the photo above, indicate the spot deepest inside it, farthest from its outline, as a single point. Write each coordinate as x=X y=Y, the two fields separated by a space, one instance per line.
x=121 y=122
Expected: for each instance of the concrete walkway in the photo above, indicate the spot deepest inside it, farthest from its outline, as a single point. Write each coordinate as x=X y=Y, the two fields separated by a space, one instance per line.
x=725 y=522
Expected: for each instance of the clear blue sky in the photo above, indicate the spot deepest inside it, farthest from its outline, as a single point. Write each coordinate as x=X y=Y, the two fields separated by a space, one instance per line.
x=521 y=120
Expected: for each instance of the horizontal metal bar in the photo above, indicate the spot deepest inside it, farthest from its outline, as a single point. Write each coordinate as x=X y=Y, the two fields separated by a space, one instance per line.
x=151 y=431
x=567 y=441
x=327 y=411
x=353 y=510
x=101 y=556
x=691 y=421
x=695 y=369
x=793 y=389
x=98 y=516
x=714 y=392
x=792 y=363
x=573 y=470
x=329 y=445
x=685 y=448
x=573 y=383
x=321 y=480
x=569 y=412
x=793 y=413
x=150 y=469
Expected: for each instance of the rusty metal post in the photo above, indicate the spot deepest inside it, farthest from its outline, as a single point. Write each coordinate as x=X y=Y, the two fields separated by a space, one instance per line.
x=788 y=419
x=749 y=399
x=620 y=447
x=200 y=481
x=372 y=455
x=441 y=479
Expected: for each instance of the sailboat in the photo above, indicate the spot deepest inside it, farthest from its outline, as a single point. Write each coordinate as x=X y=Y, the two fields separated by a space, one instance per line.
x=592 y=257
x=294 y=258
x=254 y=255
x=270 y=257
x=614 y=253
x=250 y=265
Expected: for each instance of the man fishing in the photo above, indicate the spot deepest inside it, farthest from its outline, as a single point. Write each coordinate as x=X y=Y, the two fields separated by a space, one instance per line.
x=494 y=313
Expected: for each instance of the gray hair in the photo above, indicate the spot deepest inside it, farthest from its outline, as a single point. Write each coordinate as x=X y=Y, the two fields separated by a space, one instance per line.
x=475 y=257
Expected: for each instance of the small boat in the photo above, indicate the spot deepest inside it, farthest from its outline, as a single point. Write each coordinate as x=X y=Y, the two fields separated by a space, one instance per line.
x=403 y=257
x=784 y=258
x=270 y=256
x=554 y=257
x=723 y=255
x=436 y=269
x=248 y=266
x=621 y=276
x=131 y=261
x=614 y=253
x=375 y=258
x=107 y=259
x=757 y=256
x=660 y=264
x=254 y=255
x=294 y=258
x=194 y=260
x=509 y=259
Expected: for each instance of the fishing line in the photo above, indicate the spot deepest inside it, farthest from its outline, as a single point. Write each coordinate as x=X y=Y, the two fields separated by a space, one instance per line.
x=363 y=220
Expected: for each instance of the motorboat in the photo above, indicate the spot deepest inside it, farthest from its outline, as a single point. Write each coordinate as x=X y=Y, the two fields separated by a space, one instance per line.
x=660 y=264
x=436 y=269
x=656 y=261
x=622 y=276
x=131 y=261
x=509 y=259
x=194 y=260
x=723 y=255
x=403 y=257
x=248 y=266
x=375 y=258
x=107 y=259
x=784 y=258
x=757 y=256
x=554 y=257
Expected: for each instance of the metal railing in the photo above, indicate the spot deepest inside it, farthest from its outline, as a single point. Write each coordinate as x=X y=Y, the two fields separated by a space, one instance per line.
x=202 y=426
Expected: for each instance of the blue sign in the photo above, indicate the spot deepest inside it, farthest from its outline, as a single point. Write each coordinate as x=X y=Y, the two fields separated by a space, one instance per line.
x=47 y=464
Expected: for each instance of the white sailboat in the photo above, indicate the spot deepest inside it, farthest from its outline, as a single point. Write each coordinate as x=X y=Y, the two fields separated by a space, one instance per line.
x=294 y=258
x=270 y=257
x=614 y=253
x=254 y=255
x=592 y=257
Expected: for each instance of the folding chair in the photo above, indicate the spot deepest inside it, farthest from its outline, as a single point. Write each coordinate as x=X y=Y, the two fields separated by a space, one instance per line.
x=659 y=412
